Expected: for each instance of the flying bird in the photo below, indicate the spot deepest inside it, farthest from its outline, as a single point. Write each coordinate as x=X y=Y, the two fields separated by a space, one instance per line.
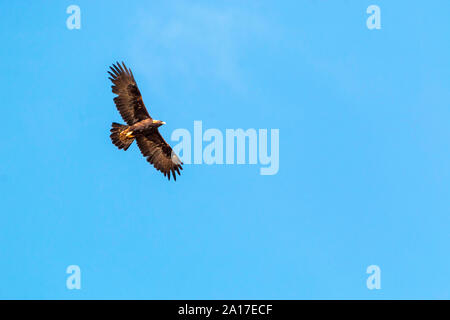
x=140 y=126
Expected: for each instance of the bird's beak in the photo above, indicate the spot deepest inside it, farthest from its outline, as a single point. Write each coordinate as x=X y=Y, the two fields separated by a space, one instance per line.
x=162 y=122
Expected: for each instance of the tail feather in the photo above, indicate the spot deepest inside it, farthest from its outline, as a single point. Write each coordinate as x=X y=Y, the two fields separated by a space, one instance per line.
x=119 y=139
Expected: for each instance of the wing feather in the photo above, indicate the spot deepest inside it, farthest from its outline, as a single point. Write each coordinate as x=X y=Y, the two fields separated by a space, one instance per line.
x=128 y=101
x=159 y=153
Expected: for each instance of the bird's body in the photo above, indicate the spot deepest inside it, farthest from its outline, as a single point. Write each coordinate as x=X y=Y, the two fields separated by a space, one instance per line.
x=144 y=126
x=140 y=126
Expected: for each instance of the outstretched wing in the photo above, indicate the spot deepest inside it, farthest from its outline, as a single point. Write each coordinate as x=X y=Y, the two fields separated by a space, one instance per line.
x=159 y=153
x=129 y=100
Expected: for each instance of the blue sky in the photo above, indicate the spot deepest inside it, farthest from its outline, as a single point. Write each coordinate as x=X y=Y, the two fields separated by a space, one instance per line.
x=364 y=151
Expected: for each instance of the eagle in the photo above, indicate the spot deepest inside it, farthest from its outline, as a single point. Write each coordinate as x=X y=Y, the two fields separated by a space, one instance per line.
x=140 y=126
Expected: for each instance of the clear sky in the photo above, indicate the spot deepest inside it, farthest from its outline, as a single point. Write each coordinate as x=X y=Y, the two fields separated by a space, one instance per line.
x=364 y=176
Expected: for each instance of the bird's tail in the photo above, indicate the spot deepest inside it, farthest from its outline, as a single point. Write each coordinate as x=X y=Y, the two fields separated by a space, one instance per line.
x=121 y=137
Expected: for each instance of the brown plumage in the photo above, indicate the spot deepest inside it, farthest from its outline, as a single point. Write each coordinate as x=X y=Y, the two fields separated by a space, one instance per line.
x=140 y=126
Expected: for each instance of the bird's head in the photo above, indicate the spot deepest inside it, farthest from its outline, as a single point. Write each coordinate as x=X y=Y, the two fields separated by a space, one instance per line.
x=158 y=123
